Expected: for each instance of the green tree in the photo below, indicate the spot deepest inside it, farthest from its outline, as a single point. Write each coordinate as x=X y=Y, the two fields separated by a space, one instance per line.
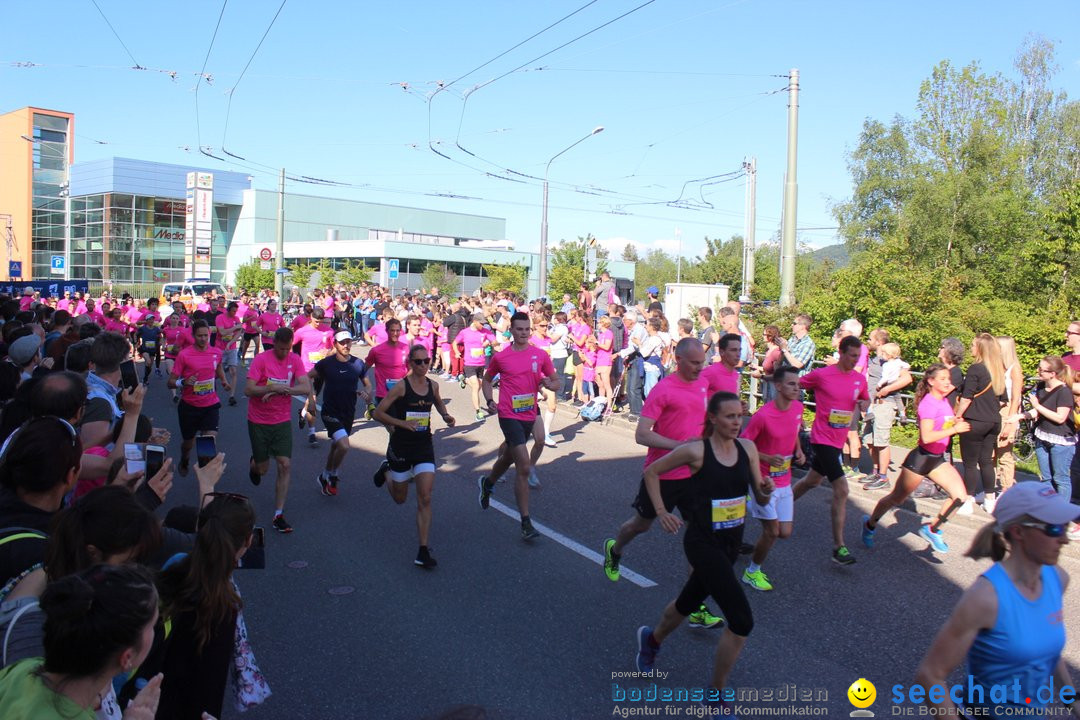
x=440 y=276
x=300 y=274
x=251 y=277
x=354 y=272
x=506 y=277
x=327 y=273
x=630 y=253
x=566 y=270
x=656 y=268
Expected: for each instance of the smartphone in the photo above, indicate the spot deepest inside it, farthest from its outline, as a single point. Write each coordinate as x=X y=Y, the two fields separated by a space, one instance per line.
x=133 y=458
x=128 y=376
x=255 y=556
x=155 y=458
x=205 y=449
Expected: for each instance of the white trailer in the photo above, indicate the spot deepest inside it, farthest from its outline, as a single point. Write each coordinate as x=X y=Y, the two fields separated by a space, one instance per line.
x=681 y=300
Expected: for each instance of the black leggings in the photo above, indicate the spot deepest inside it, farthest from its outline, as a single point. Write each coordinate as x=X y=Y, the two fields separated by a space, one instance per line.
x=977 y=452
x=713 y=555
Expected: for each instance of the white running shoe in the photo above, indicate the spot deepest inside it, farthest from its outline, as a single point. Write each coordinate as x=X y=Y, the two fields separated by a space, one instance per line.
x=549 y=441
x=966 y=508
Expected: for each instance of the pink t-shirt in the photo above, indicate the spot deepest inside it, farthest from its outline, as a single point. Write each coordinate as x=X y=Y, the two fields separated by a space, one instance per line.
x=677 y=409
x=80 y=307
x=203 y=365
x=863 y=365
x=268 y=324
x=378 y=334
x=721 y=378
x=941 y=412
x=328 y=303
x=251 y=319
x=603 y=357
x=115 y=326
x=520 y=373
x=540 y=342
x=776 y=432
x=25 y=302
x=427 y=332
x=473 y=341
x=225 y=323
x=588 y=360
x=389 y=361
x=267 y=369
x=96 y=318
x=578 y=333
x=835 y=396
x=315 y=344
x=63 y=304
x=300 y=321
x=177 y=337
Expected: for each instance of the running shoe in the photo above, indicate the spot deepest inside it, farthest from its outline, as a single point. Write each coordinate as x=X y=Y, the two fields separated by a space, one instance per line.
x=967 y=508
x=424 y=559
x=481 y=415
x=880 y=482
x=867 y=533
x=934 y=538
x=324 y=484
x=528 y=532
x=461 y=381
x=282 y=525
x=253 y=474
x=534 y=480
x=371 y=411
x=312 y=440
x=449 y=378
x=485 y=492
x=232 y=401
x=380 y=474
x=611 y=560
x=704 y=619
x=646 y=651
x=158 y=372
x=550 y=441
x=300 y=419
x=333 y=485
x=842 y=556
x=757 y=580
x=176 y=399
x=853 y=474
x=869 y=478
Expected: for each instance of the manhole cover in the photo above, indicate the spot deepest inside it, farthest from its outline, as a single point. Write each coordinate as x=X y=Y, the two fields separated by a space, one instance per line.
x=297 y=564
x=342 y=590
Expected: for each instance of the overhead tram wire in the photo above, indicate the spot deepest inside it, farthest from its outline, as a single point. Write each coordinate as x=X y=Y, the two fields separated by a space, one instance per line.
x=202 y=73
x=137 y=66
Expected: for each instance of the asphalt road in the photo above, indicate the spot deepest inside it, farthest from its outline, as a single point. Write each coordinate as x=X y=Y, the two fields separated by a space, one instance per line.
x=345 y=626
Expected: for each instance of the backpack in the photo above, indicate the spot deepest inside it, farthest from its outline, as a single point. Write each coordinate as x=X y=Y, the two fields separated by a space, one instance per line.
x=594 y=409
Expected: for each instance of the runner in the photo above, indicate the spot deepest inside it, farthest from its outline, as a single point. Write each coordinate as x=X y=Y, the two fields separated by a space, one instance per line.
x=149 y=337
x=937 y=425
x=669 y=418
x=389 y=360
x=249 y=316
x=228 y=334
x=838 y=390
x=195 y=371
x=723 y=374
x=774 y=430
x=316 y=340
x=410 y=453
x=341 y=375
x=176 y=337
x=522 y=370
x=268 y=324
x=275 y=376
x=724 y=469
x=473 y=342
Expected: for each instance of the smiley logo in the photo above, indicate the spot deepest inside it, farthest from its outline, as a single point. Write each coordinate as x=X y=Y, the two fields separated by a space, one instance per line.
x=862 y=693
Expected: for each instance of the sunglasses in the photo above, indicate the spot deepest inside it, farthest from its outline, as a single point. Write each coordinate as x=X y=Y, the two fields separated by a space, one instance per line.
x=421 y=361
x=1050 y=531
x=237 y=497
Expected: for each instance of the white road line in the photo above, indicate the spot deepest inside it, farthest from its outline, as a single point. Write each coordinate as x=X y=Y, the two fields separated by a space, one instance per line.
x=575 y=546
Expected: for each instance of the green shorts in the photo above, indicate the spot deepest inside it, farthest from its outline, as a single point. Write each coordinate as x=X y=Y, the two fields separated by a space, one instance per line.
x=269 y=441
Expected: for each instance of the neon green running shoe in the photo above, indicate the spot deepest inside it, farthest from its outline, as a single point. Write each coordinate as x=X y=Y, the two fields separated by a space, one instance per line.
x=705 y=619
x=757 y=580
x=611 y=560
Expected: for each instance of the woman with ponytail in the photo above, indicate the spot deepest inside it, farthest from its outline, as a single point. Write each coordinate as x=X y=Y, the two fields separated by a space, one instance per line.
x=1055 y=430
x=1009 y=623
x=199 y=599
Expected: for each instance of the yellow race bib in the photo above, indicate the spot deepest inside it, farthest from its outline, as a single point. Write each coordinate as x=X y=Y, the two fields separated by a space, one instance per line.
x=782 y=469
x=203 y=387
x=423 y=420
x=840 y=418
x=728 y=512
x=523 y=403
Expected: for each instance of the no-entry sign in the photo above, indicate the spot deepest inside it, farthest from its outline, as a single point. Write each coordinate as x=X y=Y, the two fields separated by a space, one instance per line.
x=266 y=254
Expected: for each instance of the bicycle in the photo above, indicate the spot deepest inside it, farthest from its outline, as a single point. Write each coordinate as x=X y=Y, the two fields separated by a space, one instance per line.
x=1024 y=445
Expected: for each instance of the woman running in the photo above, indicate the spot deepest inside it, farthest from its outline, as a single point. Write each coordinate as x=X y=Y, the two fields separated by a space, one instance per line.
x=725 y=468
x=176 y=337
x=410 y=454
x=937 y=425
x=1009 y=623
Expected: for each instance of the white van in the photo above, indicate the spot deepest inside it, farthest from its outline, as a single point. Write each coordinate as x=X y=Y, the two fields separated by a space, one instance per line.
x=192 y=291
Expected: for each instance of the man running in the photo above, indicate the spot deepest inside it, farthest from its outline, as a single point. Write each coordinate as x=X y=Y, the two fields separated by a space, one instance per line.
x=838 y=390
x=522 y=370
x=774 y=430
x=388 y=358
x=723 y=374
x=674 y=413
x=344 y=377
x=195 y=370
x=228 y=338
x=268 y=324
x=276 y=375
x=316 y=341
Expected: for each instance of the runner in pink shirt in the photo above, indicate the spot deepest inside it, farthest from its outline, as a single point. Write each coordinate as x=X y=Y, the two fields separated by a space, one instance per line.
x=722 y=374
x=65 y=302
x=175 y=337
x=195 y=370
x=673 y=413
x=522 y=371
x=249 y=316
x=275 y=377
x=839 y=390
x=316 y=341
x=304 y=318
x=774 y=430
x=268 y=323
x=389 y=360
x=473 y=342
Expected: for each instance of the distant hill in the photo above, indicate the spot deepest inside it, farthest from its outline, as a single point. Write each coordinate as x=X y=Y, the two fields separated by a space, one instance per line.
x=837 y=254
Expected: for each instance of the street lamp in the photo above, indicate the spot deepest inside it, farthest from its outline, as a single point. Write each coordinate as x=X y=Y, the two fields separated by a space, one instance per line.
x=543 y=221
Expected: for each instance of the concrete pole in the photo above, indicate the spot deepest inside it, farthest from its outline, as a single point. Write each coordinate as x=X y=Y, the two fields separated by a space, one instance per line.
x=791 y=196
x=750 y=213
x=279 y=248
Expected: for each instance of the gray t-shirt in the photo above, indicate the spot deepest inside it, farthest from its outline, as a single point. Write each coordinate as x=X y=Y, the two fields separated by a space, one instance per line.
x=601 y=294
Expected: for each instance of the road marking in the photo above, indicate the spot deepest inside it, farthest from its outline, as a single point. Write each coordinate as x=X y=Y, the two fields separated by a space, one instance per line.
x=575 y=546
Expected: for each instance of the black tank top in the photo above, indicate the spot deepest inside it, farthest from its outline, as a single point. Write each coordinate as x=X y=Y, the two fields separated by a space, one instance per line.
x=413 y=406
x=718 y=492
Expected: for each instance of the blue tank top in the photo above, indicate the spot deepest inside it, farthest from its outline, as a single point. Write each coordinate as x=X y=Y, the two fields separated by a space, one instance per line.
x=1023 y=646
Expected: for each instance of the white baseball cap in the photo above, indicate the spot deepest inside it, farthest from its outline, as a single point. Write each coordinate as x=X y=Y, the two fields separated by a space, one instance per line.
x=1034 y=499
x=342 y=336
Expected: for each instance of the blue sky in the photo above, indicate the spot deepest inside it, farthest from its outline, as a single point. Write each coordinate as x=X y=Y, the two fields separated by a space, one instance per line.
x=346 y=91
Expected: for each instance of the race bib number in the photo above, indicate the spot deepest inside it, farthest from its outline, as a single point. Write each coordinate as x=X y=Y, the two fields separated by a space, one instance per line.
x=284 y=382
x=150 y=344
x=523 y=403
x=782 y=469
x=423 y=420
x=171 y=349
x=316 y=356
x=476 y=352
x=728 y=512
x=390 y=383
x=840 y=418
x=203 y=387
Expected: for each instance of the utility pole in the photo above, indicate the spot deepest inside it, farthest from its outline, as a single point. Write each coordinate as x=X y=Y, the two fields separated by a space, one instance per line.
x=791 y=196
x=279 y=248
x=749 y=246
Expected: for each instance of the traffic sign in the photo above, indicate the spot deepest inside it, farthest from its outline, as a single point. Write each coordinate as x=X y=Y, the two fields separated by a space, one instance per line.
x=266 y=254
x=265 y=264
x=392 y=265
x=57 y=267
x=14 y=268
